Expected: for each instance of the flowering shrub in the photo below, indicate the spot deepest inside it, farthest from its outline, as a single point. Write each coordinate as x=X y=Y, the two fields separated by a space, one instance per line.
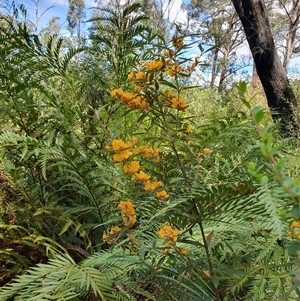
x=155 y=73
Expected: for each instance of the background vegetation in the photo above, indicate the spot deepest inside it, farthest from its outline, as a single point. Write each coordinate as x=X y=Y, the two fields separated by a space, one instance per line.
x=125 y=177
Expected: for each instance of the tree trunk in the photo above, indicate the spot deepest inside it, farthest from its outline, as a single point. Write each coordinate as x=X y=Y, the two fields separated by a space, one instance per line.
x=280 y=97
x=214 y=71
x=294 y=18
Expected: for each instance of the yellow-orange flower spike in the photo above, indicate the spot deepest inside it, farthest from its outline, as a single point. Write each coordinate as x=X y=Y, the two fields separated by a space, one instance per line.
x=128 y=213
x=129 y=220
x=154 y=65
x=126 y=207
x=121 y=149
x=115 y=230
x=151 y=186
x=118 y=145
x=168 y=233
x=131 y=75
x=147 y=152
x=141 y=176
x=132 y=167
x=178 y=103
x=104 y=238
x=162 y=194
x=122 y=156
x=140 y=76
x=207 y=151
x=183 y=251
x=117 y=92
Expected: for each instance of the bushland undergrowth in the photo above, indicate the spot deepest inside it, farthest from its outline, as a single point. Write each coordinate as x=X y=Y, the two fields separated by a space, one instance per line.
x=122 y=180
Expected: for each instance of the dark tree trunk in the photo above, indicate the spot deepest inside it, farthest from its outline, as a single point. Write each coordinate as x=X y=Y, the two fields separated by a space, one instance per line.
x=280 y=97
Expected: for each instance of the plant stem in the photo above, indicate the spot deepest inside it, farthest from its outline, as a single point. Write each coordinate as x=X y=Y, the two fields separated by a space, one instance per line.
x=199 y=221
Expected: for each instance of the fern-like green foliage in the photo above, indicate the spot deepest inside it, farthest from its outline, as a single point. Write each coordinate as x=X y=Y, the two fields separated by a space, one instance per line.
x=117 y=34
x=61 y=187
x=62 y=279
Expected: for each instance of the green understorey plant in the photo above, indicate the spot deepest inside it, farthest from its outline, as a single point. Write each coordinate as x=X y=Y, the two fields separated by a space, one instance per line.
x=133 y=194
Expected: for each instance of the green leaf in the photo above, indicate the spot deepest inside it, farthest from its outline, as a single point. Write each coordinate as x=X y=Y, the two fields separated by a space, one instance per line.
x=246 y=103
x=264 y=180
x=296 y=212
x=293 y=248
x=258 y=114
x=167 y=83
x=242 y=87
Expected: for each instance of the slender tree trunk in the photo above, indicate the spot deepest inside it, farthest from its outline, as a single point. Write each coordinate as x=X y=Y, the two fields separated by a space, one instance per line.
x=224 y=69
x=294 y=16
x=280 y=97
x=228 y=45
x=214 y=71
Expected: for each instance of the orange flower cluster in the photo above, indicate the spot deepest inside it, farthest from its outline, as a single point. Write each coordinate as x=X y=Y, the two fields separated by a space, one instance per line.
x=121 y=149
x=128 y=213
x=173 y=69
x=110 y=237
x=155 y=65
x=295 y=230
x=173 y=101
x=147 y=152
x=132 y=168
x=132 y=100
x=178 y=103
x=162 y=194
x=137 y=76
x=205 y=152
x=151 y=186
x=124 y=150
x=141 y=176
x=170 y=235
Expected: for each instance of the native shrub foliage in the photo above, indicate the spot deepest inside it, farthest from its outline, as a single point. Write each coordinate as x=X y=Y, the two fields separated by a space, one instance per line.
x=137 y=188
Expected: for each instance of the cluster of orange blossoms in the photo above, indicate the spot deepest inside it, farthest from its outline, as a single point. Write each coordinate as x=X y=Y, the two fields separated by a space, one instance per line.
x=155 y=65
x=129 y=220
x=174 y=101
x=167 y=64
x=205 y=152
x=110 y=237
x=295 y=230
x=121 y=149
x=128 y=213
x=132 y=100
x=170 y=235
x=122 y=153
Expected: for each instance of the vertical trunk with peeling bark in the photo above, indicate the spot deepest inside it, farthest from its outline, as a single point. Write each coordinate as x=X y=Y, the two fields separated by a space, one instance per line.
x=280 y=97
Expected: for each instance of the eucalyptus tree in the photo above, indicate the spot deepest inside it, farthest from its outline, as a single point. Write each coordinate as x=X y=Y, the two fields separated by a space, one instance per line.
x=217 y=27
x=284 y=19
x=75 y=15
x=280 y=97
x=52 y=29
